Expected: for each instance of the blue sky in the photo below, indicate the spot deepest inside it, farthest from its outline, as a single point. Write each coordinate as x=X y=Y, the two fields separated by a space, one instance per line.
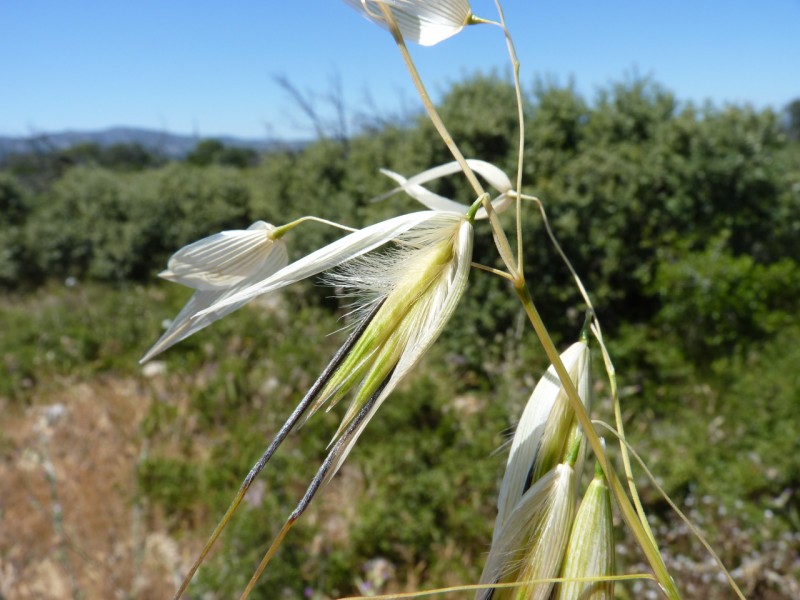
x=208 y=68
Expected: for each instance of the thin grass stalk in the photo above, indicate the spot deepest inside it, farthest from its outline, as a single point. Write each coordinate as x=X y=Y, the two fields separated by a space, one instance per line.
x=500 y=586
x=57 y=508
x=609 y=366
x=626 y=460
x=501 y=241
x=512 y=53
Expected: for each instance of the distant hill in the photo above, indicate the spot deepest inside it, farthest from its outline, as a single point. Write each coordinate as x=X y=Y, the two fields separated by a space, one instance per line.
x=167 y=144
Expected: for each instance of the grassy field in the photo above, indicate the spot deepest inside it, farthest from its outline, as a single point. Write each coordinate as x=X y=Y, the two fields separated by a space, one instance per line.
x=113 y=474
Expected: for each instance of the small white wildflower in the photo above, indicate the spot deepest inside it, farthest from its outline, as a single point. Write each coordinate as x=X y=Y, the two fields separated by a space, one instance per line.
x=426 y=22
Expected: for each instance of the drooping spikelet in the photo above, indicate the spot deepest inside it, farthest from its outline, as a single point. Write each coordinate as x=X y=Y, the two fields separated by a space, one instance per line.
x=408 y=294
x=218 y=267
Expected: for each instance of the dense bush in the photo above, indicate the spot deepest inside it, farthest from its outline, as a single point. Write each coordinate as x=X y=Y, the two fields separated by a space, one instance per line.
x=98 y=224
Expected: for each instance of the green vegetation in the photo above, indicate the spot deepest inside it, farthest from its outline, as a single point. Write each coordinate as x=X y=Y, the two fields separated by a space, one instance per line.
x=684 y=222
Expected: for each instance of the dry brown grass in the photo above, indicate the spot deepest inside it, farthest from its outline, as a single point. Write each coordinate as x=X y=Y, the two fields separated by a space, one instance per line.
x=71 y=524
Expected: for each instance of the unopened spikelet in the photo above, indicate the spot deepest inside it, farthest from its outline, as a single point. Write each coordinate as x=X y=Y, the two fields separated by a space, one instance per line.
x=590 y=551
x=545 y=431
x=530 y=546
x=404 y=297
x=537 y=497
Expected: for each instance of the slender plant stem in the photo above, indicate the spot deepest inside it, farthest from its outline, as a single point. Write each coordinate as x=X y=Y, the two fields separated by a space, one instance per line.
x=273 y=548
x=492 y=270
x=610 y=370
x=501 y=241
x=426 y=100
x=628 y=513
x=626 y=461
x=512 y=53
x=279 y=232
x=500 y=586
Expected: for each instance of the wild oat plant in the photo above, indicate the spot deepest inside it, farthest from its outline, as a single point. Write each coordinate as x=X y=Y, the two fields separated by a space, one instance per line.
x=406 y=276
